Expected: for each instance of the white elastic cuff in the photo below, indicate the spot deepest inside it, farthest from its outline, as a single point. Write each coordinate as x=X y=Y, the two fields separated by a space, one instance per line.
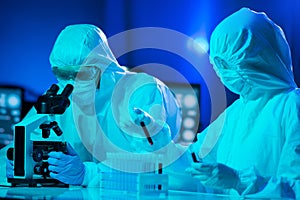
x=91 y=176
x=248 y=178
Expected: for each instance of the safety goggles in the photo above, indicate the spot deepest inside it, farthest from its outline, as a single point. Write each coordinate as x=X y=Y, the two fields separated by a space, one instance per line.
x=84 y=73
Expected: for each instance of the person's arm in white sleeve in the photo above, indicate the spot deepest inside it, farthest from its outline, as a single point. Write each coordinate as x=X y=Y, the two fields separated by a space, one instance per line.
x=287 y=180
x=87 y=127
x=143 y=100
x=248 y=182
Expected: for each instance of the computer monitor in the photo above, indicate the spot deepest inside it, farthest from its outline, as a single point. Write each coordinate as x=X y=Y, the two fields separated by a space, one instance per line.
x=188 y=97
x=11 y=100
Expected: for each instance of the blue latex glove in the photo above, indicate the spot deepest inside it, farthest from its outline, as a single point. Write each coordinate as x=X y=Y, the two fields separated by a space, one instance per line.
x=9 y=168
x=66 y=168
x=215 y=175
x=141 y=116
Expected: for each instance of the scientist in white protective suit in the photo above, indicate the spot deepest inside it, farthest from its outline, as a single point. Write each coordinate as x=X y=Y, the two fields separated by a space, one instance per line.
x=108 y=105
x=253 y=147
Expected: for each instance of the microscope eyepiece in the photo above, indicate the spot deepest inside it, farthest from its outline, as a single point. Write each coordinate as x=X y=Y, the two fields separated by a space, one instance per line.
x=53 y=103
x=52 y=90
x=67 y=91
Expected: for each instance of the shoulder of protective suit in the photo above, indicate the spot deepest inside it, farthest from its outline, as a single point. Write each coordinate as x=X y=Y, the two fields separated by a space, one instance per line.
x=143 y=74
x=140 y=76
x=294 y=95
x=136 y=82
x=292 y=100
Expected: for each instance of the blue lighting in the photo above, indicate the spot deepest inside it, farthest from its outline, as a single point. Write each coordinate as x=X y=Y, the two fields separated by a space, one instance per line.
x=199 y=44
x=13 y=101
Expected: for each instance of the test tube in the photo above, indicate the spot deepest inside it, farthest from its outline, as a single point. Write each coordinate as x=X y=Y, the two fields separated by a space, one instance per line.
x=160 y=166
x=195 y=158
x=146 y=133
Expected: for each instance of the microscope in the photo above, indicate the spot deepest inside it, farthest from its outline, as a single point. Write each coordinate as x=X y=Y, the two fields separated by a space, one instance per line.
x=38 y=135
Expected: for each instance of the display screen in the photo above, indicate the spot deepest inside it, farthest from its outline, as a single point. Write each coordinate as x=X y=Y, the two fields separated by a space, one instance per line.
x=188 y=96
x=11 y=100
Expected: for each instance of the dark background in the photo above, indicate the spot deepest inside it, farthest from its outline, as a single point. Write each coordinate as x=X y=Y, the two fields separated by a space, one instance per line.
x=29 y=29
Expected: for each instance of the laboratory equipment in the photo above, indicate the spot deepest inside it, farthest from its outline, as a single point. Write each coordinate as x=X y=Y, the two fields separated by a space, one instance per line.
x=11 y=104
x=134 y=173
x=31 y=147
x=188 y=97
x=194 y=157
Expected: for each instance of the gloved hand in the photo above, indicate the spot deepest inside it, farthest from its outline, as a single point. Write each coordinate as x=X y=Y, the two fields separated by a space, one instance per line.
x=215 y=175
x=66 y=168
x=159 y=133
x=153 y=125
x=142 y=116
x=138 y=136
x=9 y=168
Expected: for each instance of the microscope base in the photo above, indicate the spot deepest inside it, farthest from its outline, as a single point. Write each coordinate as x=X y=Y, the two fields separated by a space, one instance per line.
x=35 y=182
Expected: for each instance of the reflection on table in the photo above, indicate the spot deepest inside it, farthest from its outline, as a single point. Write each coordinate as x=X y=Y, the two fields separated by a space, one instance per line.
x=97 y=193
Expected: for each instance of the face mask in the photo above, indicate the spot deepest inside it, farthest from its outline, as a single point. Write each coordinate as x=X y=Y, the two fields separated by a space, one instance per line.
x=246 y=81
x=231 y=78
x=84 y=92
x=234 y=81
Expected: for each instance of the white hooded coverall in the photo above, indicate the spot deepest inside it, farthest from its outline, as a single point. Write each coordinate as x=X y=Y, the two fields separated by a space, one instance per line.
x=102 y=119
x=259 y=134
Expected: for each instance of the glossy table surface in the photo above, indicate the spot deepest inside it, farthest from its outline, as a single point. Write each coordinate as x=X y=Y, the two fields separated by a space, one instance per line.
x=96 y=193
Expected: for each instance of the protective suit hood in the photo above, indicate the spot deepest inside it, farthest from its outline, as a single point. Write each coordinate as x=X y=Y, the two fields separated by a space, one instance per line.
x=83 y=45
x=250 y=54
